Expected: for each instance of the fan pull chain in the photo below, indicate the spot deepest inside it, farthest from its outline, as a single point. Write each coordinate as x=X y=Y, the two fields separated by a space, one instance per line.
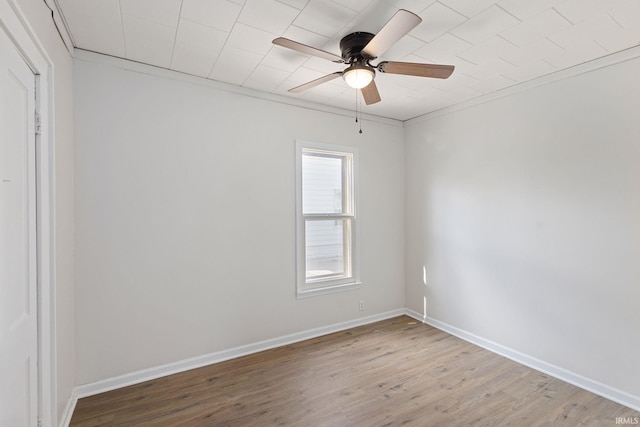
x=356 y=91
x=358 y=110
x=359 y=102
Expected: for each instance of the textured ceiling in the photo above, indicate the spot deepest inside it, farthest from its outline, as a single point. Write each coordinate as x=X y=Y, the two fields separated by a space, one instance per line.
x=493 y=44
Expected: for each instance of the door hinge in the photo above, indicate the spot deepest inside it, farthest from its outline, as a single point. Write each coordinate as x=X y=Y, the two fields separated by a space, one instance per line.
x=38 y=124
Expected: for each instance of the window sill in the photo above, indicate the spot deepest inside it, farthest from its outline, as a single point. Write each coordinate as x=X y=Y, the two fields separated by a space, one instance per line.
x=305 y=293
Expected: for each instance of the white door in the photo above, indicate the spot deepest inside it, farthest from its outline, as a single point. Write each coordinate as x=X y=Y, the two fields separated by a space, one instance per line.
x=18 y=281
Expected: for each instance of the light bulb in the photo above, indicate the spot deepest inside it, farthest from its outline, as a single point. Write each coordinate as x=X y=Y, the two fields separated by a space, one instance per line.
x=358 y=76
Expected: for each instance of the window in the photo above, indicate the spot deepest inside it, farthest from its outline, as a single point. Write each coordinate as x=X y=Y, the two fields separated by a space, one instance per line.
x=327 y=227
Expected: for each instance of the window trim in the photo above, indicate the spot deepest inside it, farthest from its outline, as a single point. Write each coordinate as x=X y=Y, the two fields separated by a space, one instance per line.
x=350 y=213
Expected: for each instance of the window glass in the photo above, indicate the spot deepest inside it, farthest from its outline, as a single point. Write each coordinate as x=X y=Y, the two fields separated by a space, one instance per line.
x=321 y=184
x=325 y=248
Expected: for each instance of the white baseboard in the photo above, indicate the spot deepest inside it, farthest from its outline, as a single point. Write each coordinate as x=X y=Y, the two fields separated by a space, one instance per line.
x=109 y=384
x=65 y=420
x=596 y=387
x=208 y=359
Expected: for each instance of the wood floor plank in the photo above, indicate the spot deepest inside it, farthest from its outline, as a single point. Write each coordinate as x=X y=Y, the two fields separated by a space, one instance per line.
x=394 y=372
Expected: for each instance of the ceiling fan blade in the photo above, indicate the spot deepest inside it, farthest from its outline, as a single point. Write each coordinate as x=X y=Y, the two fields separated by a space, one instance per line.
x=398 y=26
x=370 y=93
x=416 y=69
x=316 y=82
x=290 y=44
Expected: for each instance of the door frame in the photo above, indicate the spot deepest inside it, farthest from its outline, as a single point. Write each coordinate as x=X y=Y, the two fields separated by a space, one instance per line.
x=14 y=23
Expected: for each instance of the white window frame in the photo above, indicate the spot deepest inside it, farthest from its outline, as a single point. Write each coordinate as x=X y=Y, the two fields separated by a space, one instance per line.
x=319 y=286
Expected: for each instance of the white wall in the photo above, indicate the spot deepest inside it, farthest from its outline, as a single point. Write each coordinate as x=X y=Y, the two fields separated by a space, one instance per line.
x=525 y=211
x=522 y=210
x=38 y=20
x=185 y=218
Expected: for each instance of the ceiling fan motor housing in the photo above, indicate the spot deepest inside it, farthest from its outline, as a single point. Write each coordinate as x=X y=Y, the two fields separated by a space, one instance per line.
x=352 y=44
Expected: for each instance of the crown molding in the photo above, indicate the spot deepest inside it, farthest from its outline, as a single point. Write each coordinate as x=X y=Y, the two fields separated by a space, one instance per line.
x=61 y=24
x=604 y=61
x=126 y=64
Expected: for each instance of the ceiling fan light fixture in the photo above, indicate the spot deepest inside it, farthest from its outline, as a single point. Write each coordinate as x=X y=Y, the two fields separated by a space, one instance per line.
x=358 y=76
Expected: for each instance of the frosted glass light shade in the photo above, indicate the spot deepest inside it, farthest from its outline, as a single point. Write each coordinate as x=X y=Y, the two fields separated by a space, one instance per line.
x=358 y=76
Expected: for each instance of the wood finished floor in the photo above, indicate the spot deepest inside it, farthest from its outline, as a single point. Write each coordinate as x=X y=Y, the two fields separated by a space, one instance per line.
x=394 y=372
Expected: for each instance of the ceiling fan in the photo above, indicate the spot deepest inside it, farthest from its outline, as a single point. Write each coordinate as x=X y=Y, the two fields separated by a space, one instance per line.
x=360 y=48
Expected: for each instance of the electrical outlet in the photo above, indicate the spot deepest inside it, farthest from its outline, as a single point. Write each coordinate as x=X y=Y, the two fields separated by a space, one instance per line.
x=361 y=305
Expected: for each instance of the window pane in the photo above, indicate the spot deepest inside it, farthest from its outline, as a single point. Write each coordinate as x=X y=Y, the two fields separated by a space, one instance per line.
x=325 y=248
x=321 y=184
